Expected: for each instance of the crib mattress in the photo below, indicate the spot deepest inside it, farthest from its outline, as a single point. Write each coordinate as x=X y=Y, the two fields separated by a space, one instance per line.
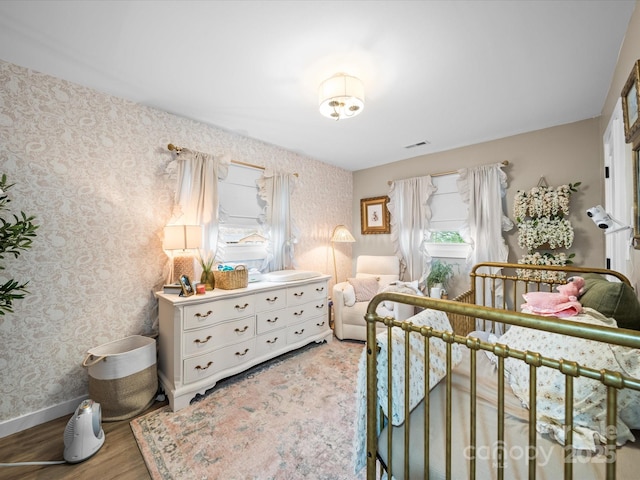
x=549 y=454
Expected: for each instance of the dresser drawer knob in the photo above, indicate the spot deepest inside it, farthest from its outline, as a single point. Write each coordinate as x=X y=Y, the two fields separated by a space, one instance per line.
x=198 y=367
x=273 y=341
x=298 y=294
x=242 y=307
x=242 y=354
x=271 y=300
x=241 y=330
x=197 y=340
x=320 y=306
x=272 y=320
x=320 y=289
x=297 y=314
x=300 y=332
x=321 y=324
x=200 y=315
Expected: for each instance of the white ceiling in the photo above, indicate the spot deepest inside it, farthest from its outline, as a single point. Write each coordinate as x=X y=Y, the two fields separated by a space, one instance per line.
x=451 y=73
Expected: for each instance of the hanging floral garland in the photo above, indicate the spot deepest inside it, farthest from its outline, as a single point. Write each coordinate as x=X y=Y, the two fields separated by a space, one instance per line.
x=540 y=216
x=543 y=201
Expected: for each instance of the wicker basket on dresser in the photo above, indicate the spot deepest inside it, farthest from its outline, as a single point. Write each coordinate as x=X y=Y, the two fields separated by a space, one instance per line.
x=204 y=338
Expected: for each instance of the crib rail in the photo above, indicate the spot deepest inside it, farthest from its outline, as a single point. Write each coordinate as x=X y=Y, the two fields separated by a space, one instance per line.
x=501 y=285
x=467 y=311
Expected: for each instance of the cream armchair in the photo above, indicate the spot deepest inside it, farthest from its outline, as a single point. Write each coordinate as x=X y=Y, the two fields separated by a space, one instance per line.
x=374 y=274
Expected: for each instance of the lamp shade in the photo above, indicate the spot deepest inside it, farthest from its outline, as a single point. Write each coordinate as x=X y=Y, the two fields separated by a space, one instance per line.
x=341 y=96
x=182 y=237
x=342 y=234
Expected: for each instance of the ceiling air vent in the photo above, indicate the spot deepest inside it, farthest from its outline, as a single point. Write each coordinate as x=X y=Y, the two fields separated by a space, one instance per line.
x=419 y=144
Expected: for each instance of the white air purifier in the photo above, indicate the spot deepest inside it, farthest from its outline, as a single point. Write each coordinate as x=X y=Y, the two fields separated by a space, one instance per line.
x=83 y=435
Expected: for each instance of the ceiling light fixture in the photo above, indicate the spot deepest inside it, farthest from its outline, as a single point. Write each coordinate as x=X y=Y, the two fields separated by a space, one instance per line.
x=341 y=96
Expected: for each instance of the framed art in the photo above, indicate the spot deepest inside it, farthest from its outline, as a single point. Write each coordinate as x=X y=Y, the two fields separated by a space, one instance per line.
x=636 y=198
x=630 y=102
x=187 y=287
x=374 y=215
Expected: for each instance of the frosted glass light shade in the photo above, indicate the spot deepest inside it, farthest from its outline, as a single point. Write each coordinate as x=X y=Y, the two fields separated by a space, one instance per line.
x=341 y=96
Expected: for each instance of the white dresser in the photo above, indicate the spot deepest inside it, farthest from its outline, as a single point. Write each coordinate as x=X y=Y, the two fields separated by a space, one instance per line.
x=204 y=338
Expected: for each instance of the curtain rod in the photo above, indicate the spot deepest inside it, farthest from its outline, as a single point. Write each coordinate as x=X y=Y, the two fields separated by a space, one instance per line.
x=177 y=149
x=440 y=174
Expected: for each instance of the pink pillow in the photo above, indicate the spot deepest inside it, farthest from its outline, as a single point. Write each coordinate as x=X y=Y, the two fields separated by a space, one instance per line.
x=365 y=288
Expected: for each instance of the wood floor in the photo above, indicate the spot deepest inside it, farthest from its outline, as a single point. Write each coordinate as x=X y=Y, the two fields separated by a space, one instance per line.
x=119 y=457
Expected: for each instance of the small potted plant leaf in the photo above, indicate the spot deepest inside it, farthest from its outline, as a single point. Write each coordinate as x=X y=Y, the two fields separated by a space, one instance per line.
x=438 y=278
x=206 y=262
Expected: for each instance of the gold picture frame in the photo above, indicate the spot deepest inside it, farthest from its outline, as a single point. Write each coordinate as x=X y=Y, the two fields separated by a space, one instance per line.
x=374 y=215
x=636 y=198
x=630 y=105
x=187 y=287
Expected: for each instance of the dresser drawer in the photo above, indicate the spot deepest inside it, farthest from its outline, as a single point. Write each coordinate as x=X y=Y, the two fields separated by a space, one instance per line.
x=306 y=293
x=203 y=314
x=269 y=321
x=220 y=334
x=299 y=313
x=271 y=342
x=271 y=300
x=206 y=365
x=313 y=326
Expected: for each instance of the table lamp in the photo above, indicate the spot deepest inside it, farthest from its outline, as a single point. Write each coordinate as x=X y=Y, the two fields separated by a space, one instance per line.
x=181 y=240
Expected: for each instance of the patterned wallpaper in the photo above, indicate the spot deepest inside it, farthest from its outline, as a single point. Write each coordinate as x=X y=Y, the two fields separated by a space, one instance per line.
x=93 y=169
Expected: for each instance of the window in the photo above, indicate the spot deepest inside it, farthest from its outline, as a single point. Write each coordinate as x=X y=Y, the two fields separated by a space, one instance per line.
x=448 y=215
x=239 y=212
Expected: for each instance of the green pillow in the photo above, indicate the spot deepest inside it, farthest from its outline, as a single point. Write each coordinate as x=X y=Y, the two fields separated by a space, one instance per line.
x=612 y=299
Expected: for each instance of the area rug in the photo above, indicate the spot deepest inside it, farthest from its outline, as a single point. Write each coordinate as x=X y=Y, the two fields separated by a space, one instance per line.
x=289 y=418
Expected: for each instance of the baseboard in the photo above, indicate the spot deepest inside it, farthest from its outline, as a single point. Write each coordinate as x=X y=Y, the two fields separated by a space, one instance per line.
x=29 y=420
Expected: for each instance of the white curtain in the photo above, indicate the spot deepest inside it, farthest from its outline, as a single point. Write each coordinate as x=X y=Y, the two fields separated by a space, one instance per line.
x=276 y=190
x=197 y=193
x=410 y=215
x=483 y=189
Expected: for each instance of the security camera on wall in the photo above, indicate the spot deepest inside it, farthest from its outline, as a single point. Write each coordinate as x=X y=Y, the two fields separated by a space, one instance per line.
x=600 y=217
x=605 y=221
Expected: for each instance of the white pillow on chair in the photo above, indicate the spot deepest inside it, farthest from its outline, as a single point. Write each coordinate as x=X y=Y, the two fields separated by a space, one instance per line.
x=348 y=294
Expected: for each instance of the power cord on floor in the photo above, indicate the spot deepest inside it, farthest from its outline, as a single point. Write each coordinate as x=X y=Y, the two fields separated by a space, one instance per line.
x=23 y=464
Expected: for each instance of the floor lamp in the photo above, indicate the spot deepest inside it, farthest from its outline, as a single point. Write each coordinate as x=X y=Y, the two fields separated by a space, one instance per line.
x=182 y=239
x=341 y=234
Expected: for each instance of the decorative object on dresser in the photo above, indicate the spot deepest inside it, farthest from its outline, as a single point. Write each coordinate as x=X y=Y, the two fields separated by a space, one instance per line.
x=186 y=286
x=340 y=234
x=182 y=239
x=230 y=278
x=207 y=277
x=205 y=338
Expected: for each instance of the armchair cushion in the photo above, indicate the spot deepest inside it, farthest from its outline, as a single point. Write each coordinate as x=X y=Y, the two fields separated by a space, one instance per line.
x=365 y=288
x=351 y=298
